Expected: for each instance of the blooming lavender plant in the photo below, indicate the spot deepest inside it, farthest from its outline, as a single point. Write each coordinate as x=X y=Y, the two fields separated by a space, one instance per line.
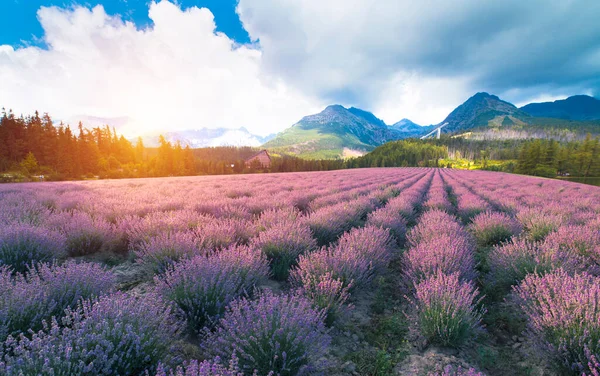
x=445 y=309
x=434 y=223
x=23 y=244
x=491 y=228
x=388 y=219
x=205 y=368
x=536 y=224
x=457 y=371
x=203 y=286
x=115 y=335
x=445 y=253
x=157 y=253
x=282 y=334
x=85 y=235
x=564 y=318
x=326 y=293
x=282 y=243
x=46 y=291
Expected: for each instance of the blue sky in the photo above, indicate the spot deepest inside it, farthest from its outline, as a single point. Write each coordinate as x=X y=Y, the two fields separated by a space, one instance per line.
x=22 y=27
x=189 y=64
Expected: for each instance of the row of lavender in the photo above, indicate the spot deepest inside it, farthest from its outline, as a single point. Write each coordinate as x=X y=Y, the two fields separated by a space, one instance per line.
x=545 y=247
x=197 y=282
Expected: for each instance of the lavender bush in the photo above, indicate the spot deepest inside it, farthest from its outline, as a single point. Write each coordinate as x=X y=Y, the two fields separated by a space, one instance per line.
x=563 y=313
x=510 y=262
x=388 y=219
x=85 y=235
x=158 y=252
x=491 y=228
x=457 y=371
x=46 y=291
x=203 y=286
x=536 y=224
x=205 y=368
x=445 y=253
x=115 y=335
x=282 y=243
x=280 y=334
x=24 y=244
x=326 y=293
x=445 y=309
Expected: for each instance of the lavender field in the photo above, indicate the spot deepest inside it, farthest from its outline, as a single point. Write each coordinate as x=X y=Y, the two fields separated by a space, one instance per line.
x=407 y=271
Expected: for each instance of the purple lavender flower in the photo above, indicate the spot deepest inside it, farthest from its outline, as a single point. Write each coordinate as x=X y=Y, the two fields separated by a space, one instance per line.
x=85 y=235
x=457 y=371
x=537 y=224
x=115 y=335
x=445 y=253
x=491 y=228
x=563 y=316
x=282 y=243
x=205 y=368
x=445 y=309
x=389 y=219
x=203 y=286
x=282 y=334
x=157 y=253
x=326 y=293
x=46 y=291
x=23 y=244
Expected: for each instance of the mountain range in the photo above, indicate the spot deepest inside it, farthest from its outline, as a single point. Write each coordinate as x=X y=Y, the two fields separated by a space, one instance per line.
x=339 y=132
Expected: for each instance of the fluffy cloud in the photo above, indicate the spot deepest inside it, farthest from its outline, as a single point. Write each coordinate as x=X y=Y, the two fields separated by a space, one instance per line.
x=178 y=74
x=362 y=50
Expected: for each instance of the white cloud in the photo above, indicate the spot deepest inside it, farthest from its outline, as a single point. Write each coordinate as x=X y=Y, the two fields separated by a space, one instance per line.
x=179 y=74
x=357 y=49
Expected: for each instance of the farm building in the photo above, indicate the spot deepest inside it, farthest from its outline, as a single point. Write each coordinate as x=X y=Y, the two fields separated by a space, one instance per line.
x=261 y=159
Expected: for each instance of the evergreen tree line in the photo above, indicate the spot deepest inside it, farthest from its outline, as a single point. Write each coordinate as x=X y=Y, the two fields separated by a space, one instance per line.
x=550 y=158
x=34 y=146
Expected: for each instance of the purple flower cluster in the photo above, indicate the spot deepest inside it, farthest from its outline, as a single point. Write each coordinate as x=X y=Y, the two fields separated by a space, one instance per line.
x=282 y=334
x=537 y=224
x=115 y=335
x=491 y=228
x=46 y=291
x=205 y=368
x=85 y=235
x=160 y=251
x=24 y=244
x=563 y=313
x=388 y=218
x=354 y=260
x=223 y=232
x=203 y=286
x=445 y=309
x=274 y=216
x=434 y=223
x=282 y=243
x=580 y=241
x=457 y=371
x=445 y=253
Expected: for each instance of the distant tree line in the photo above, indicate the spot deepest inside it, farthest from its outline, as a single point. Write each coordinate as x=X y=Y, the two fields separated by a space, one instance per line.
x=34 y=146
x=549 y=158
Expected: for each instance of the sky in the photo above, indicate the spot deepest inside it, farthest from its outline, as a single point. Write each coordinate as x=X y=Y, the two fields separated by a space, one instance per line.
x=146 y=66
